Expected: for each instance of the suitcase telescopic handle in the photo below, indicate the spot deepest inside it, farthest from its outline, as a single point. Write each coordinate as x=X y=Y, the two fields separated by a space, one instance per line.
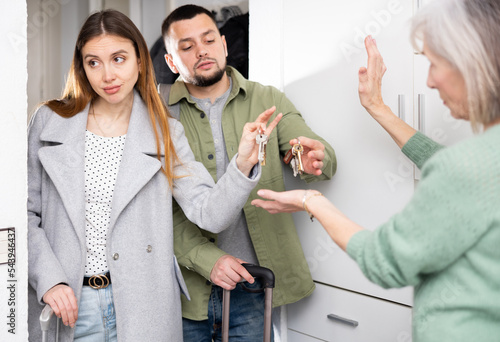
x=266 y=276
x=263 y=273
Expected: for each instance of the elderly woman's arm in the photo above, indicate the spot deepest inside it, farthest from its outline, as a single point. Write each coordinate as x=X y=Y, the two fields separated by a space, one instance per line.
x=433 y=231
x=370 y=95
x=339 y=227
x=415 y=145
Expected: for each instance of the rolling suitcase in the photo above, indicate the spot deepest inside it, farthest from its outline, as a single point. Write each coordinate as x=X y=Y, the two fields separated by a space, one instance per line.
x=267 y=278
x=264 y=274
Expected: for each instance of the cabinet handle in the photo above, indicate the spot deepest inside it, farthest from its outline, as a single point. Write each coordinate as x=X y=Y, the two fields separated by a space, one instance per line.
x=421 y=112
x=343 y=320
x=401 y=107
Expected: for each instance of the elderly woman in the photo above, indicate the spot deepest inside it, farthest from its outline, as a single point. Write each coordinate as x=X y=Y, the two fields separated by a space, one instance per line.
x=446 y=241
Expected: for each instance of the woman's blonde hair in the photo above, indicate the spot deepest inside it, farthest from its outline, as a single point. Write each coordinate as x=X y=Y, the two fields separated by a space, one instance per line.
x=78 y=91
x=467 y=34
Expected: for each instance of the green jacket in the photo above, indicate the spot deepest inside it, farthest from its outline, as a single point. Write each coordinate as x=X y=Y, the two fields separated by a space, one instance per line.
x=274 y=237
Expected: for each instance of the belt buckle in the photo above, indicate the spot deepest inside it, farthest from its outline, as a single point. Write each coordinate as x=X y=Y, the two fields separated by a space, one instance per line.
x=104 y=281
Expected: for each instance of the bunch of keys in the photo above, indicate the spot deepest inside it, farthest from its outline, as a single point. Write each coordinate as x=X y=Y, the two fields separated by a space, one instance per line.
x=294 y=158
x=262 y=139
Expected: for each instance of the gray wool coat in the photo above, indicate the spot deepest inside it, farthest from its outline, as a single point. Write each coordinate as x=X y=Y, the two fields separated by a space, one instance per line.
x=147 y=282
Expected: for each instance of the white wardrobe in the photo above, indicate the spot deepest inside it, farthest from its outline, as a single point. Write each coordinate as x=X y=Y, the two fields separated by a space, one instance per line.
x=312 y=50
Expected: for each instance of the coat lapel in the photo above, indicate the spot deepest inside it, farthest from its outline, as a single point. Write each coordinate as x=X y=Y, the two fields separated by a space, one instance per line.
x=64 y=161
x=63 y=158
x=139 y=161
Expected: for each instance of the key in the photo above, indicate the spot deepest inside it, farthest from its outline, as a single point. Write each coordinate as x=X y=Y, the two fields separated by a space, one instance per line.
x=261 y=139
x=289 y=159
x=293 y=164
x=294 y=159
x=297 y=151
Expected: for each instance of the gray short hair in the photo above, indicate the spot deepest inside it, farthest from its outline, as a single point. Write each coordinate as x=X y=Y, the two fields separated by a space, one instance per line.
x=467 y=34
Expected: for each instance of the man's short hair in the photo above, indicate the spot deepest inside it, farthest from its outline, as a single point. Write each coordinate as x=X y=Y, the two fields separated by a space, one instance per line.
x=184 y=13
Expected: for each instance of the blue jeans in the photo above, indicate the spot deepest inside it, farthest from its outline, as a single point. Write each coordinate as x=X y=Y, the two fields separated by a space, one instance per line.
x=96 y=316
x=246 y=322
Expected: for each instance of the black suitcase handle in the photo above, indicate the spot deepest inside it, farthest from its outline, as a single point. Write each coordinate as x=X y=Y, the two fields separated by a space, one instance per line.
x=265 y=275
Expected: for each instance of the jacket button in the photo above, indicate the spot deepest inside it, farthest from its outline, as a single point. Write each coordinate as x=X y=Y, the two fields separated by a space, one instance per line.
x=211 y=240
x=210 y=156
x=116 y=256
x=202 y=115
x=149 y=249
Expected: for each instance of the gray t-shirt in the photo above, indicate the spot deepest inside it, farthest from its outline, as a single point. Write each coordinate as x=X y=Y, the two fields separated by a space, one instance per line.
x=234 y=240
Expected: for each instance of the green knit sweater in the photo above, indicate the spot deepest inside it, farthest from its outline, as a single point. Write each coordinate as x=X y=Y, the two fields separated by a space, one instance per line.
x=445 y=242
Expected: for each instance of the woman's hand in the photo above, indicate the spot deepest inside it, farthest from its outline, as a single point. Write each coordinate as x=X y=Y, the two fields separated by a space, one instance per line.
x=248 y=150
x=62 y=300
x=370 y=95
x=280 y=202
x=339 y=227
x=370 y=79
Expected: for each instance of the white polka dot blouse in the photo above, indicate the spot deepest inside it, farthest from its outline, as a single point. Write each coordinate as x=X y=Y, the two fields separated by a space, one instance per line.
x=102 y=161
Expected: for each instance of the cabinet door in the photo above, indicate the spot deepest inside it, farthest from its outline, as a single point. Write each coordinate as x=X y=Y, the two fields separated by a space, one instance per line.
x=332 y=314
x=321 y=49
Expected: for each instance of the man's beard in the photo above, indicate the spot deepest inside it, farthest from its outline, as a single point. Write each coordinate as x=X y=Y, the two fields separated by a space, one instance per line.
x=206 y=81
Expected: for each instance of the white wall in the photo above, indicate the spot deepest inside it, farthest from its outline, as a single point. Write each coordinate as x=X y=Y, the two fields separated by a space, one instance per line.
x=13 y=174
x=53 y=27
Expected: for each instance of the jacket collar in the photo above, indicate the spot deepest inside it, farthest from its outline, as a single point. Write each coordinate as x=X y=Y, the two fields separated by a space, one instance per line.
x=67 y=130
x=64 y=161
x=139 y=161
x=179 y=90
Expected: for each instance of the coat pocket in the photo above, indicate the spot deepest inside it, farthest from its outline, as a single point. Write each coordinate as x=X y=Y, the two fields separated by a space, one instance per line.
x=180 y=279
